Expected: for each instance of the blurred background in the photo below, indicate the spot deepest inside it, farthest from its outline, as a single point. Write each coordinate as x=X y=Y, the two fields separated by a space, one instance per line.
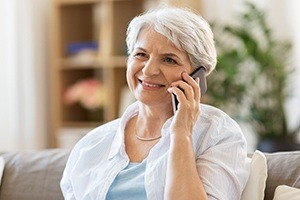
x=63 y=68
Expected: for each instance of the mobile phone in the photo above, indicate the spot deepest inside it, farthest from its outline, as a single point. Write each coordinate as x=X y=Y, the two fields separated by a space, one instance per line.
x=199 y=72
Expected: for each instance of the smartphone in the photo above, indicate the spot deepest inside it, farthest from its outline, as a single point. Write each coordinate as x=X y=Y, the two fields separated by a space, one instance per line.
x=199 y=72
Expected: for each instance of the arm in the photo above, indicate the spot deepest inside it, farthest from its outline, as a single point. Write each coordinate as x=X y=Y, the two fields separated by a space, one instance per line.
x=182 y=179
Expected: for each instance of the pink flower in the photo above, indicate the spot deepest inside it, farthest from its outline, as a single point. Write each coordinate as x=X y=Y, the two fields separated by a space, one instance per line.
x=89 y=93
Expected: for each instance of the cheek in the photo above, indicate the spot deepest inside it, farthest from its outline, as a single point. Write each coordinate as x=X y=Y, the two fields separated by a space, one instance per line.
x=130 y=74
x=129 y=78
x=172 y=75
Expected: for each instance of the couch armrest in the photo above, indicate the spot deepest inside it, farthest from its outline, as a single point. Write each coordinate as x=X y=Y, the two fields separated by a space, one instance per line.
x=33 y=175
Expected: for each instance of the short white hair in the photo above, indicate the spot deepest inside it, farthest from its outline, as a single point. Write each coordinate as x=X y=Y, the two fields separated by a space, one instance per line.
x=187 y=30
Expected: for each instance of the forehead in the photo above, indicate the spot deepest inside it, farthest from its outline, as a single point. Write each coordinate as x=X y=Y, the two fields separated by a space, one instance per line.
x=153 y=42
x=148 y=36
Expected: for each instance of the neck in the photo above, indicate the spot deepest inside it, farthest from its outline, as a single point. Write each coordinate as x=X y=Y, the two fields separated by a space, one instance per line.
x=155 y=113
x=150 y=120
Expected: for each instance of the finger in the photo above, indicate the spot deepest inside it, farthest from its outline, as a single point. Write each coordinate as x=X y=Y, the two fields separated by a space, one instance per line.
x=194 y=83
x=179 y=95
x=197 y=92
x=186 y=89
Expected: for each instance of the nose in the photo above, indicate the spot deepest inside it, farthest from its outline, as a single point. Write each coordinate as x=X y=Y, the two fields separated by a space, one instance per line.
x=151 y=67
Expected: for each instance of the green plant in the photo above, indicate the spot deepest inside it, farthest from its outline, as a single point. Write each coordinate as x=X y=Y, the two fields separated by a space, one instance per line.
x=250 y=81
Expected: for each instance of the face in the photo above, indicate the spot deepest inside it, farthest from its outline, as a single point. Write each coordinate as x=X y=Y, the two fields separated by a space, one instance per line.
x=153 y=65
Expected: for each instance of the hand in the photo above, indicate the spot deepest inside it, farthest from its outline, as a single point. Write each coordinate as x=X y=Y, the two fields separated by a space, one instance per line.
x=188 y=94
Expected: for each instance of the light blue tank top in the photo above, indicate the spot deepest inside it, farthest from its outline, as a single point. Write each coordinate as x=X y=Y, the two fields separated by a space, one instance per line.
x=129 y=183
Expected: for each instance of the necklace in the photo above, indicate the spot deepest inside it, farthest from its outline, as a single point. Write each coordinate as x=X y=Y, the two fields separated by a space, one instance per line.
x=143 y=138
x=147 y=139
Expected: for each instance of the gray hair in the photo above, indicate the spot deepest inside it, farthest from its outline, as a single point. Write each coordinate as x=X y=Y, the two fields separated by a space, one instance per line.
x=188 y=31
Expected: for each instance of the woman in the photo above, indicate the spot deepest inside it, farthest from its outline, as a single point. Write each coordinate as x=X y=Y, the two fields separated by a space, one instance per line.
x=198 y=152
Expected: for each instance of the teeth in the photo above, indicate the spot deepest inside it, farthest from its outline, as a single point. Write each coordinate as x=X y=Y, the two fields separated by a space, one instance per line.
x=150 y=85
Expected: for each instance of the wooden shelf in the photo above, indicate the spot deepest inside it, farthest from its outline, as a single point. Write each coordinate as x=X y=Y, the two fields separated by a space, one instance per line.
x=74 y=2
x=81 y=124
x=73 y=21
x=113 y=62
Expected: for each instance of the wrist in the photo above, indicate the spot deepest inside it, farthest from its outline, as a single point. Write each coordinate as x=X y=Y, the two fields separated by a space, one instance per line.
x=181 y=133
x=181 y=138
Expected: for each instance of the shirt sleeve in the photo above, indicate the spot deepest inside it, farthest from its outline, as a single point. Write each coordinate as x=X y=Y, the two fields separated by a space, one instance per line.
x=66 y=189
x=65 y=183
x=223 y=166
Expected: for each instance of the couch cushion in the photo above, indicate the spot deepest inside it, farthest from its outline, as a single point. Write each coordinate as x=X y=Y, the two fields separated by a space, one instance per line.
x=33 y=175
x=255 y=187
x=284 y=192
x=283 y=169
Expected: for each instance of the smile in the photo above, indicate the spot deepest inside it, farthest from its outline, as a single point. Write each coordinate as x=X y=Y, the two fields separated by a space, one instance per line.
x=150 y=85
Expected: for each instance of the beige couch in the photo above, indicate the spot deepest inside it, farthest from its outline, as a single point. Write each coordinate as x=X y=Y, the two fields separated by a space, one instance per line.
x=35 y=175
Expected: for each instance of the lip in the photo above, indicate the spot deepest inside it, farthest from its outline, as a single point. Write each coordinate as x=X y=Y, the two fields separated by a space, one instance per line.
x=150 y=85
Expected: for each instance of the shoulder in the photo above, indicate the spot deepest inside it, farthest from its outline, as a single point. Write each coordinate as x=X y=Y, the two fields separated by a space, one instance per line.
x=215 y=127
x=106 y=132
x=103 y=131
x=100 y=135
x=215 y=116
x=221 y=153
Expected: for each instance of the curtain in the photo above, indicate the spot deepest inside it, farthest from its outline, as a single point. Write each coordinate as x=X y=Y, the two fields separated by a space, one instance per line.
x=23 y=78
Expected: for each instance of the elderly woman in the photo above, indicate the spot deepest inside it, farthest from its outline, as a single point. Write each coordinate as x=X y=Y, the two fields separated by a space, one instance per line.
x=198 y=152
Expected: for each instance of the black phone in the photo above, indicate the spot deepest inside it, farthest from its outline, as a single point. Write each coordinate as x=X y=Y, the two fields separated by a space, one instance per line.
x=199 y=72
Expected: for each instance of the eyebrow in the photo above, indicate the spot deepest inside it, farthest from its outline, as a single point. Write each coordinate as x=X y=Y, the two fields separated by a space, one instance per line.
x=165 y=54
x=140 y=48
x=171 y=55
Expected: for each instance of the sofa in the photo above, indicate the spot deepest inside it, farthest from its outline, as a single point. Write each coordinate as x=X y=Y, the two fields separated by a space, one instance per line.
x=35 y=175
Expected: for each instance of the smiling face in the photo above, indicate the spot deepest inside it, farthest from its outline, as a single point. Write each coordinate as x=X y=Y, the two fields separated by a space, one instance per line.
x=153 y=65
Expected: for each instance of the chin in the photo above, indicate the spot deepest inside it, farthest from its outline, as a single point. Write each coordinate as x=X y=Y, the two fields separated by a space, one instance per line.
x=152 y=102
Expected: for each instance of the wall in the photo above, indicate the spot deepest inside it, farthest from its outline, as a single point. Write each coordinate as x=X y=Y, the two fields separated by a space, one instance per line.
x=24 y=39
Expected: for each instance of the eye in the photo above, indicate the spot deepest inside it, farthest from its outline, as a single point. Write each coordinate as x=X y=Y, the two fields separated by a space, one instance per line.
x=140 y=55
x=169 y=60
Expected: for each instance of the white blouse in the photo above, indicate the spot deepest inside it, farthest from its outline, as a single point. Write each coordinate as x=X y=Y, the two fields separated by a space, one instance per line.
x=220 y=154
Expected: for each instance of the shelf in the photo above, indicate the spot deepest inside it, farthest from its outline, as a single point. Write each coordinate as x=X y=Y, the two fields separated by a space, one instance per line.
x=82 y=124
x=101 y=22
x=113 y=62
x=74 y=2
